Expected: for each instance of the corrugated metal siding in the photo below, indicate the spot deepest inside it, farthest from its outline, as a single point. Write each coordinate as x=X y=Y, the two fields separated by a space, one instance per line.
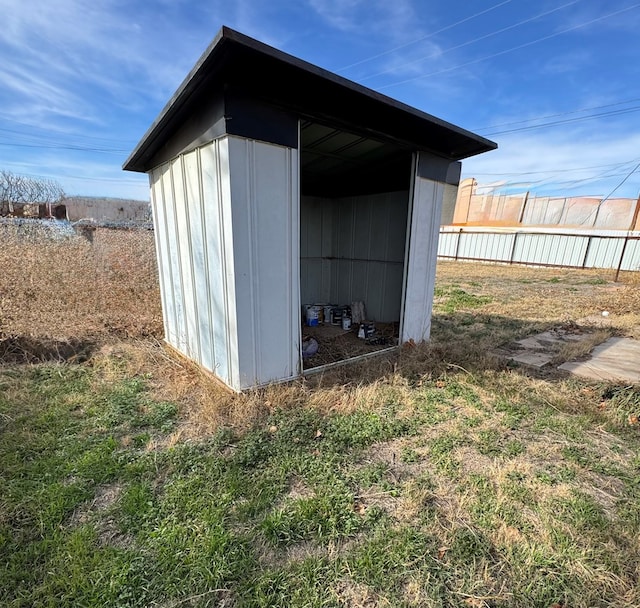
x=421 y=259
x=218 y=259
x=369 y=244
x=190 y=203
x=631 y=259
x=352 y=249
x=160 y=231
x=496 y=245
x=177 y=335
x=266 y=237
x=448 y=244
x=551 y=249
x=316 y=242
x=185 y=261
x=542 y=246
x=604 y=253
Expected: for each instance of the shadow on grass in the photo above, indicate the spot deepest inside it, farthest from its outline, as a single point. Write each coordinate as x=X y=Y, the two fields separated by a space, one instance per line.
x=26 y=349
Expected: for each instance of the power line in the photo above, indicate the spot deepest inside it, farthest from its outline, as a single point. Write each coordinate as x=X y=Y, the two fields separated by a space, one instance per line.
x=519 y=122
x=566 y=121
x=622 y=182
x=483 y=37
x=6 y=118
x=63 y=147
x=515 y=48
x=554 y=171
x=50 y=138
x=84 y=178
x=444 y=29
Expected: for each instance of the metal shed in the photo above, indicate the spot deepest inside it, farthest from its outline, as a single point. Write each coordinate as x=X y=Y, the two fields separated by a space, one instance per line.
x=275 y=183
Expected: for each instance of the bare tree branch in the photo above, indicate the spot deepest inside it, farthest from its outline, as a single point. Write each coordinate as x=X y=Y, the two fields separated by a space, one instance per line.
x=22 y=190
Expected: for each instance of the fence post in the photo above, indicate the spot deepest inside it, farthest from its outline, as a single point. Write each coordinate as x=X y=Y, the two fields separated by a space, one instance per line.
x=586 y=252
x=624 y=249
x=513 y=248
x=458 y=243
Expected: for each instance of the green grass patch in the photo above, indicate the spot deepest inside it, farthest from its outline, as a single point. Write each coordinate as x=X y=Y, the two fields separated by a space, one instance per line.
x=373 y=507
x=450 y=299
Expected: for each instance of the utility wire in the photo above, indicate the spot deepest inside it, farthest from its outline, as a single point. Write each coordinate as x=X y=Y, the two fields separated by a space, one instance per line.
x=519 y=122
x=621 y=183
x=83 y=178
x=515 y=48
x=554 y=171
x=444 y=29
x=566 y=121
x=483 y=37
x=50 y=138
x=63 y=147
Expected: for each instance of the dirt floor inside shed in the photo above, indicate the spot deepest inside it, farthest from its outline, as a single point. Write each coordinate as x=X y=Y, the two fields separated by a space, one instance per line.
x=336 y=344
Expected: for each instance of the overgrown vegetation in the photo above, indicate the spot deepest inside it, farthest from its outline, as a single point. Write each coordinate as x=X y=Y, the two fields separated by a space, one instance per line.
x=435 y=477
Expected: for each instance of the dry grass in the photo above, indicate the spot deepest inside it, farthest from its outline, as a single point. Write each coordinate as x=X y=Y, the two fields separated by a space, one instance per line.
x=77 y=297
x=74 y=289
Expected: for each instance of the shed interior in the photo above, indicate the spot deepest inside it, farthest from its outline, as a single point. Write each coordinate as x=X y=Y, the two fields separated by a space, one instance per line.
x=354 y=206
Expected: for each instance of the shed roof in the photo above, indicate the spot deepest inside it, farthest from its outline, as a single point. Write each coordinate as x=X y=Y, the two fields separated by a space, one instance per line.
x=240 y=63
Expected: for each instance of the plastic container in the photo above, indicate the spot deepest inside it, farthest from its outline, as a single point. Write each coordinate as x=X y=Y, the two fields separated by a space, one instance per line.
x=312 y=315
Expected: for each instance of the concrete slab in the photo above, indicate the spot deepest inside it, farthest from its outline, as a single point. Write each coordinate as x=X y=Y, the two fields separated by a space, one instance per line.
x=533 y=358
x=549 y=338
x=616 y=360
x=541 y=349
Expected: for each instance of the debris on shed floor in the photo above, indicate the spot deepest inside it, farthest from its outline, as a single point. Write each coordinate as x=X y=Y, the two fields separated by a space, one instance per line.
x=336 y=344
x=616 y=360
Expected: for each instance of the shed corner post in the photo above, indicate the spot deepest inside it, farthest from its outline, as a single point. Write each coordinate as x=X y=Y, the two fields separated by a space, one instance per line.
x=431 y=177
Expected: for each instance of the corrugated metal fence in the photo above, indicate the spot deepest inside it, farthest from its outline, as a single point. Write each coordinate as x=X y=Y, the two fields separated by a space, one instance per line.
x=542 y=247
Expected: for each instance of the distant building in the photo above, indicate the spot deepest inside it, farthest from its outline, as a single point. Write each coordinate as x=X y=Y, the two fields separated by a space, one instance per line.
x=102 y=209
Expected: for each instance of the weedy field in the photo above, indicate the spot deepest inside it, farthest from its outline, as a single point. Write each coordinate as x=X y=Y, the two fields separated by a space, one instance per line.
x=439 y=476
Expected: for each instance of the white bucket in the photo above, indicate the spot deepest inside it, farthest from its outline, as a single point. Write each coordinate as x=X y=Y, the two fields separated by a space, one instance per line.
x=313 y=315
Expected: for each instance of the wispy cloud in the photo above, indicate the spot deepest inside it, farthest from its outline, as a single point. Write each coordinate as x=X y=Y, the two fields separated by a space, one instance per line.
x=392 y=21
x=570 y=161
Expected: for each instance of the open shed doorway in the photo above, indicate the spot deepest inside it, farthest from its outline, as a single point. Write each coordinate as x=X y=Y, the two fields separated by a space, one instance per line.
x=354 y=205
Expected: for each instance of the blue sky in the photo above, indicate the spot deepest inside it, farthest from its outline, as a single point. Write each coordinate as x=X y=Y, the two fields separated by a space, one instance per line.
x=555 y=83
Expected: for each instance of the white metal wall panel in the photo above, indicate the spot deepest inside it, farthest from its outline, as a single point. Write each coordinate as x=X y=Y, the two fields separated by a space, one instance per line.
x=185 y=258
x=266 y=237
x=590 y=248
x=543 y=210
x=631 y=259
x=193 y=248
x=352 y=249
x=492 y=246
x=218 y=252
x=579 y=212
x=554 y=249
x=162 y=254
x=448 y=243
x=421 y=259
x=198 y=253
x=177 y=335
x=604 y=252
